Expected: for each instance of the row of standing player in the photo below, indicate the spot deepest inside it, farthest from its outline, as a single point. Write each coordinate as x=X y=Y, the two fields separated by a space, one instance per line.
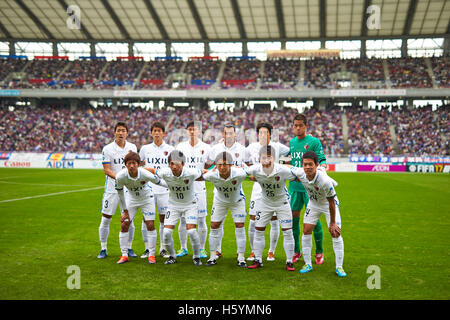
x=199 y=155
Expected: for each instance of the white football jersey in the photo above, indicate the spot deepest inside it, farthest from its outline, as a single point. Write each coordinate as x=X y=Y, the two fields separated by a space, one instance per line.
x=273 y=185
x=237 y=151
x=196 y=157
x=319 y=189
x=156 y=157
x=139 y=190
x=227 y=190
x=114 y=155
x=252 y=157
x=181 y=189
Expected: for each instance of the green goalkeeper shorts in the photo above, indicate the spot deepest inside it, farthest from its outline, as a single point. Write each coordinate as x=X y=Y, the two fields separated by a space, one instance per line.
x=298 y=200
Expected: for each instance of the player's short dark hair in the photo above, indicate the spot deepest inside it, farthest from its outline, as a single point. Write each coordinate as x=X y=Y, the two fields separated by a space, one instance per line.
x=226 y=156
x=193 y=124
x=229 y=125
x=301 y=117
x=157 y=124
x=176 y=155
x=266 y=125
x=311 y=155
x=132 y=156
x=267 y=150
x=120 y=124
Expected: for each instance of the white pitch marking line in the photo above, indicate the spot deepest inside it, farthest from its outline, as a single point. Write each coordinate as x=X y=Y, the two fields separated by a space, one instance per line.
x=50 y=194
x=45 y=184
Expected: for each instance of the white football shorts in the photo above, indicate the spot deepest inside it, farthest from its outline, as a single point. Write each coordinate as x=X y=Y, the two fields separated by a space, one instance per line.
x=162 y=203
x=220 y=209
x=312 y=214
x=147 y=209
x=201 y=204
x=264 y=213
x=173 y=214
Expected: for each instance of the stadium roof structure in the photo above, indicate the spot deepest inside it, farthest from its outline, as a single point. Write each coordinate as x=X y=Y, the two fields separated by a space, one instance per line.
x=221 y=20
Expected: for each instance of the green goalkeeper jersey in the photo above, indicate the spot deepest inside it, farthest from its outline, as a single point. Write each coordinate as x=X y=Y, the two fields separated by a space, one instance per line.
x=298 y=148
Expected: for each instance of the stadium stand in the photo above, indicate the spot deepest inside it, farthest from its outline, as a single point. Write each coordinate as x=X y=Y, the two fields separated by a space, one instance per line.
x=238 y=73
x=52 y=127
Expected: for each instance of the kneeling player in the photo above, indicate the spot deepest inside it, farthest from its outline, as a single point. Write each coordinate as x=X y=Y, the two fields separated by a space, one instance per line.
x=140 y=196
x=323 y=200
x=182 y=203
x=228 y=195
x=275 y=199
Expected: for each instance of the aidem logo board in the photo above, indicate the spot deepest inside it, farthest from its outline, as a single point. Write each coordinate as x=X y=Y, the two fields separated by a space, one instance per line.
x=59 y=164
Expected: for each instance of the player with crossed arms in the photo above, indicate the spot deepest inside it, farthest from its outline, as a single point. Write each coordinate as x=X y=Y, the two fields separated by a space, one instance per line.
x=136 y=180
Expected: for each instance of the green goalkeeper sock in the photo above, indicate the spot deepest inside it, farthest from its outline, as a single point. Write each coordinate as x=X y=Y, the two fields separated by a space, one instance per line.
x=318 y=237
x=296 y=232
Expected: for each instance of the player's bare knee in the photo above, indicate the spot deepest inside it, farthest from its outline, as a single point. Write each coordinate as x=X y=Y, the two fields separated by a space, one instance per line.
x=274 y=218
x=107 y=216
x=124 y=226
x=260 y=228
x=252 y=218
x=150 y=225
x=190 y=226
x=161 y=218
x=215 y=225
x=296 y=214
x=239 y=225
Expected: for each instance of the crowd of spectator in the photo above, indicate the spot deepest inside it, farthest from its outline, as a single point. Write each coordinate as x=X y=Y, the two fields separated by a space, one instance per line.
x=320 y=73
x=241 y=73
x=409 y=73
x=280 y=73
x=441 y=67
x=422 y=132
x=370 y=72
x=8 y=65
x=119 y=73
x=368 y=132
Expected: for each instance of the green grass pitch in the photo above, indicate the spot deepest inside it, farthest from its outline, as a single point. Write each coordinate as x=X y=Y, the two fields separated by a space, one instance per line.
x=398 y=222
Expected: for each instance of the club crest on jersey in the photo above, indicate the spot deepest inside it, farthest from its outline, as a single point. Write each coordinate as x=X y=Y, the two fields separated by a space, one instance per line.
x=142 y=182
x=277 y=178
x=166 y=153
x=234 y=182
x=306 y=147
x=237 y=155
x=317 y=188
x=186 y=181
x=203 y=151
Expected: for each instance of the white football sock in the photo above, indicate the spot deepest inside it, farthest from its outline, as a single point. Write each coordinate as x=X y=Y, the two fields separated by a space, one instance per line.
x=258 y=244
x=241 y=240
x=338 y=247
x=103 y=231
x=182 y=233
x=123 y=241
x=161 y=237
x=131 y=235
x=214 y=239
x=151 y=239
x=307 y=247
x=168 y=240
x=202 y=231
x=251 y=233
x=144 y=234
x=195 y=242
x=219 y=246
x=288 y=244
x=274 y=234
